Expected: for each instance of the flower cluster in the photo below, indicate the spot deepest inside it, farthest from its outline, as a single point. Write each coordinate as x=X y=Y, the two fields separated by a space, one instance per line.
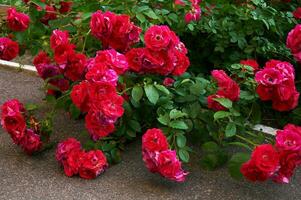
x=293 y=42
x=52 y=10
x=276 y=82
x=277 y=163
x=159 y=158
x=8 y=49
x=164 y=53
x=17 y=21
x=227 y=88
x=75 y=161
x=97 y=95
x=114 y=31
x=13 y=120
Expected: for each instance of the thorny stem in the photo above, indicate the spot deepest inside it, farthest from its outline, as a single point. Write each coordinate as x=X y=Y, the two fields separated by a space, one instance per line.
x=246 y=140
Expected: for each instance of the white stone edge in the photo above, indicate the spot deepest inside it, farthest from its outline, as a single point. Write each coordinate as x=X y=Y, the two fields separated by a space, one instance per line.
x=259 y=127
x=17 y=66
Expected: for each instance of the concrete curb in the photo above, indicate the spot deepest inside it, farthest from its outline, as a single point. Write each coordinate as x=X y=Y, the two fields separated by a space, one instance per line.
x=17 y=66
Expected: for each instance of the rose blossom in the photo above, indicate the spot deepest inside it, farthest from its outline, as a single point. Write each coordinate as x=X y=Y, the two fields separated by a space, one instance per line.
x=168 y=82
x=135 y=58
x=17 y=21
x=59 y=38
x=8 y=49
x=65 y=147
x=65 y=6
x=293 y=42
x=49 y=15
x=80 y=96
x=93 y=163
x=154 y=140
x=170 y=167
x=157 y=37
x=252 y=173
x=72 y=162
x=31 y=142
x=289 y=139
x=250 y=62
x=113 y=60
x=41 y=58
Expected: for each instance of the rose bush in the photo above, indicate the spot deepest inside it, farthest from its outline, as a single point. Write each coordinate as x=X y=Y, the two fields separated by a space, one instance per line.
x=165 y=69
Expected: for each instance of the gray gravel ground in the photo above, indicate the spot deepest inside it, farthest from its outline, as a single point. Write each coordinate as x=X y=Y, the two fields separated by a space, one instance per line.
x=23 y=177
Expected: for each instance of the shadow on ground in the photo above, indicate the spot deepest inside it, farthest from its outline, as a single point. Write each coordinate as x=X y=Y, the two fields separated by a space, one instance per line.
x=23 y=177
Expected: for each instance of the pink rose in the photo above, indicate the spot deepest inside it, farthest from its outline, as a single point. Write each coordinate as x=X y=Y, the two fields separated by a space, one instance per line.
x=293 y=42
x=154 y=140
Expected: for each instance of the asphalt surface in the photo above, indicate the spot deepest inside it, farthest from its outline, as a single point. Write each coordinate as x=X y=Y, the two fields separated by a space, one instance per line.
x=40 y=177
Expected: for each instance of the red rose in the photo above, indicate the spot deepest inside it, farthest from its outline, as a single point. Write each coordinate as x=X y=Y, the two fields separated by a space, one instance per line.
x=31 y=142
x=150 y=159
x=62 y=53
x=181 y=65
x=100 y=73
x=101 y=24
x=194 y=14
x=111 y=106
x=112 y=59
x=65 y=6
x=47 y=70
x=72 y=162
x=170 y=167
x=80 y=96
x=12 y=108
x=59 y=38
x=266 y=158
x=8 y=49
x=154 y=140
x=287 y=105
x=252 y=173
x=41 y=58
x=124 y=33
x=65 y=147
x=288 y=140
x=17 y=21
x=297 y=13
x=293 y=42
x=93 y=163
x=49 y=15
x=75 y=66
x=226 y=86
x=157 y=37
x=168 y=82
x=250 y=62
x=214 y=105
x=289 y=160
x=97 y=125
x=135 y=58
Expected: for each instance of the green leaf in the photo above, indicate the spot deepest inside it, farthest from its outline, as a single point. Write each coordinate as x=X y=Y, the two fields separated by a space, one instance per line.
x=227 y=103
x=151 y=93
x=181 y=140
x=164 y=119
x=178 y=125
x=210 y=147
x=235 y=163
x=230 y=129
x=162 y=89
x=31 y=107
x=140 y=17
x=175 y=114
x=151 y=14
x=135 y=125
x=137 y=93
x=184 y=155
x=74 y=111
x=221 y=114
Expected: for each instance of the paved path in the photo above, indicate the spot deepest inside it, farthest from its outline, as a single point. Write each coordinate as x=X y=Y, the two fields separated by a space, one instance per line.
x=23 y=177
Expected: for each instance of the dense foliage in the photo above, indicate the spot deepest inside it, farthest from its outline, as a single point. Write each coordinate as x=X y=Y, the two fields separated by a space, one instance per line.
x=189 y=74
